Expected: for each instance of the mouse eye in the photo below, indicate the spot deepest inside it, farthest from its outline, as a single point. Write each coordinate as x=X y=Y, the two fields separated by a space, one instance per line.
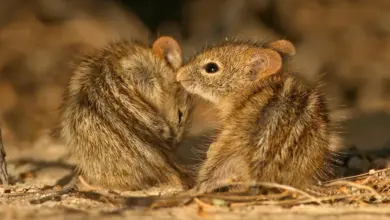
x=211 y=68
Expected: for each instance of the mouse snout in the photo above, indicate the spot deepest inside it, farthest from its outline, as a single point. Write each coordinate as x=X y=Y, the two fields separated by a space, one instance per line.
x=181 y=76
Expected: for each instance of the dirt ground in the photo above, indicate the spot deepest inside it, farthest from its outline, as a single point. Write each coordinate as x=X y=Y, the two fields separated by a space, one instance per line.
x=78 y=207
x=40 y=166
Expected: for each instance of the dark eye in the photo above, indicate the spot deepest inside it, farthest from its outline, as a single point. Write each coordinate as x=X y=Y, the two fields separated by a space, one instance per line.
x=211 y=68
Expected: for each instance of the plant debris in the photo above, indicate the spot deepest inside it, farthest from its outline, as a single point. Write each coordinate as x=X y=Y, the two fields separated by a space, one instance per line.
x=369 y=188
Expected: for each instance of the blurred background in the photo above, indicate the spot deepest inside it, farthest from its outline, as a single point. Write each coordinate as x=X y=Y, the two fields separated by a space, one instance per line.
x=347 y=43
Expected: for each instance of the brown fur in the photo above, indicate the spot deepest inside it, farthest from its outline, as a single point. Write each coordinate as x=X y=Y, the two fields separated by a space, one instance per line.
x=274 y=128
x=124 y=114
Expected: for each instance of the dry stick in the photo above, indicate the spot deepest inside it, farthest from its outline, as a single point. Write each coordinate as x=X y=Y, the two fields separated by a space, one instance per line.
x=48 y=193
x=53 y=194
x=311 y=198
x=360 y=175
x=156 y=201
x=387 y=186
x=289 y=188
x=346 y=196
x=366 y=180
x=203 y=204
x=283 y=202
x=280 y=186
x=195 y=196
x=9 y=195
x=170 y=201
x=359 y=186
x=298 y=201
x=239 y=198
x=308 y=198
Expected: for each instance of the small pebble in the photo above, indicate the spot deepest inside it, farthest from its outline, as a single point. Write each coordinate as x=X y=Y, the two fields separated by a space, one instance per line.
x=372 y=156
x=19 y=190
x=219 y=202
x=380 y=163
x=32 y=190
x=357 y=163
x=4 y=190
x=28 y=175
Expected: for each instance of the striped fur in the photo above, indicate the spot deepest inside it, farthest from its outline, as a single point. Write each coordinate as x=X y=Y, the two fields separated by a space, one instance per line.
x=274 y=129
x=123 y=116
x=280 y=132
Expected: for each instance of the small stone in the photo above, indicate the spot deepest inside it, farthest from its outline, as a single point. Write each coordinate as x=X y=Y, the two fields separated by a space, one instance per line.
x=20 y=189
x=28 y=175
x=4 y=190
x=380 y=163
x=358 y=163
x=32 y=190
x=372 y=156
x=219 y=202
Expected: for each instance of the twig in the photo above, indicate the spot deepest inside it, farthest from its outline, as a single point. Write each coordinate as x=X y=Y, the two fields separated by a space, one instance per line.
x=386 y=186
x=170 y=201
x=242 y=198
x=297 y=201
x=359 y=186
x=56 y=195
x=283 y=202
x=345 y=196
x=18 y=194
x=360 y=175
x=366 y=180
x=203 y=204
x=285 y=187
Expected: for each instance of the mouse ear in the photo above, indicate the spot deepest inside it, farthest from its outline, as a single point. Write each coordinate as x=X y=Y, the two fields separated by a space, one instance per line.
x=283 y=46
x=168 y=49
x=265 y=62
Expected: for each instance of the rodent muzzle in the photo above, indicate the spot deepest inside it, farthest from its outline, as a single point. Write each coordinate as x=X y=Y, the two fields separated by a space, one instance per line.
x=181 y=76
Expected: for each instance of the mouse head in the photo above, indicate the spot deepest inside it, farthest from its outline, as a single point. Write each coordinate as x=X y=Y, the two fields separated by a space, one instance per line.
x=225 y=69
x=177 y=103
x=162 y=59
